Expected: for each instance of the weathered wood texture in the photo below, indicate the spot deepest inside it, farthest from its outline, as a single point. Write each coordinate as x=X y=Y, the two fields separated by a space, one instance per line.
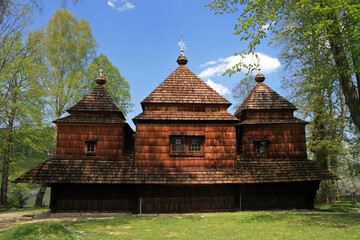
x=109 y=139
x=153 y=145
x=262 y=97
x=284 y=140
x=152 y=198
x=294 y=195
x=93 y=198
x=190 y=198
x=266 y=114
x=185 y=107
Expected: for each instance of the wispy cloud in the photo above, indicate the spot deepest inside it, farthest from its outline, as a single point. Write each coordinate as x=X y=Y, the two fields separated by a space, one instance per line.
x=120 y=5
x=267 y=64
x=217 y=87
x=208 y=63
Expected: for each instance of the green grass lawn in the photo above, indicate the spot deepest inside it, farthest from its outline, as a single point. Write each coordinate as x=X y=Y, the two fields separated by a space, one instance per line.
x=237 y=225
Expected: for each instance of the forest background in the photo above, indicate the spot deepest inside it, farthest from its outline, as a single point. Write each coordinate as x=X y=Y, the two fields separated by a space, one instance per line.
x=45 y=70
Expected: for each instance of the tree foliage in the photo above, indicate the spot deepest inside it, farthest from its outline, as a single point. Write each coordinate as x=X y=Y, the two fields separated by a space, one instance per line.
x=69 y=46
x=23 y=107
x=242 y=90
x=321 y=24
x=116 y=85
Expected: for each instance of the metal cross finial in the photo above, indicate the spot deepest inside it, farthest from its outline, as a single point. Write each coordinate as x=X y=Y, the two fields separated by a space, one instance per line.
x=182 y=44
x=101 y=68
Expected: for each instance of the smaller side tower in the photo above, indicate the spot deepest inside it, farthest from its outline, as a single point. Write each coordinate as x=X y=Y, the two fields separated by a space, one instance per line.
x=267 y=127
x=95 y=126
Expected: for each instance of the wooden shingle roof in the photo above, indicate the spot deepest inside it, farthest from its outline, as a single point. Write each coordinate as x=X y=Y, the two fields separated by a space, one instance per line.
x=186 y=116
x=183 y=86
x=263 y=97
x=121 y=171
x=98 y=100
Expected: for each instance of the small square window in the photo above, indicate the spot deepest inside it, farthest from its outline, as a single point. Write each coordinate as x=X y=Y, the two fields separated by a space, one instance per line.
x=186 y=145
x=261 y=149
x=90 y=147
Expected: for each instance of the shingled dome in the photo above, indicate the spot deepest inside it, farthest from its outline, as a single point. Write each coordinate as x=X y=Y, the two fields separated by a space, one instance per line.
x=263 y=97
x=183 y=86
x=98 y=100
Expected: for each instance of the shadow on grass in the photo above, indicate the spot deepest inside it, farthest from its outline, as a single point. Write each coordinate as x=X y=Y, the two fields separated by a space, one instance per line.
x=345 y=207
x=326 y=220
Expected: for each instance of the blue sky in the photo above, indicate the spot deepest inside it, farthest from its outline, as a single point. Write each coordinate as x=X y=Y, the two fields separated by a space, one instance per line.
x=140 y=38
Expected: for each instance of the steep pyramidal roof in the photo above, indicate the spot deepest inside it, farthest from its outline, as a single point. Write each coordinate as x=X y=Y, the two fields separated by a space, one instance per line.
x=263 y=97
x=183 y=86
x=98 y=100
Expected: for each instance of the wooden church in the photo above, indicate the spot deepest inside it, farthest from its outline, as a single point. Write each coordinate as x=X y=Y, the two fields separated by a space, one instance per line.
x=188 y=153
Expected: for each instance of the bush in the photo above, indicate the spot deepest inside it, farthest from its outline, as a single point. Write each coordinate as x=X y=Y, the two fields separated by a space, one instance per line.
x=16 y=197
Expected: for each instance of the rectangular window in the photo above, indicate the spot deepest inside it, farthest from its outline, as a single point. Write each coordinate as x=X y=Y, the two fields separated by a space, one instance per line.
x=186 y=145
x=90 y=147
x=261 y=149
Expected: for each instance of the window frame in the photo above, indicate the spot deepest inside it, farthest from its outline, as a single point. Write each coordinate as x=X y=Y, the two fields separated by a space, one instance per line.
x=89 y=143
x=186 y=139
x=258 y=148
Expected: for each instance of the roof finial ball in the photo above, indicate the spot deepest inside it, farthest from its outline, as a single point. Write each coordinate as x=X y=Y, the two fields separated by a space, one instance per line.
x=182 y=60
x=259 y=77
x=101 y=80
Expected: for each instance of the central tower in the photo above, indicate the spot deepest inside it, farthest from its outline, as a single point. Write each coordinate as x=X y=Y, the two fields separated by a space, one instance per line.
x=185 y=125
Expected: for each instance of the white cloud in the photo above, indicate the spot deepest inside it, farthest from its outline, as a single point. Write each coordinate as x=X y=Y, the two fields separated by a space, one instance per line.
x=267 y=64
x=208 y=63
x=120 y=5
x=217 y=87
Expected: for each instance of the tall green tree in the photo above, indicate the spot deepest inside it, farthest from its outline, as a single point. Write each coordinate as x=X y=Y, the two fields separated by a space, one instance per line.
x=116 y=85
x=23 y=107
x=334 y=25
x=313 y=86
x=14 y=17
x=69 y=47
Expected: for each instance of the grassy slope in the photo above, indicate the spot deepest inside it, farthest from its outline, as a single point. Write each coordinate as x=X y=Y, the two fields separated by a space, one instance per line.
x=239 y=225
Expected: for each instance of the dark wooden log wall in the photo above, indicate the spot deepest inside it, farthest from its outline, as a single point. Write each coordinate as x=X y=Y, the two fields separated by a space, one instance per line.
x=153 y=145
x=289 y=195
x=179 y=199
x=285 y=140
x=93 y=198
x=109 y=139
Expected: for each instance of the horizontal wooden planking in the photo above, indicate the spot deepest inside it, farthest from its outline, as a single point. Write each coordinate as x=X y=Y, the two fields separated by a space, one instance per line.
x=153 y=149
x=152 y=142
x=288 y=154
x=81 y=152
x=96 y=130
x=268 y=114
x=219 y=149
x=273 y=130
x=274 y=138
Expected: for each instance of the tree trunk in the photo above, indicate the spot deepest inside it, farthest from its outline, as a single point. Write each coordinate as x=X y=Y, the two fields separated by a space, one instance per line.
x=40 y=196
x=343 y=68
x=42 y=190
x=6 y=154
